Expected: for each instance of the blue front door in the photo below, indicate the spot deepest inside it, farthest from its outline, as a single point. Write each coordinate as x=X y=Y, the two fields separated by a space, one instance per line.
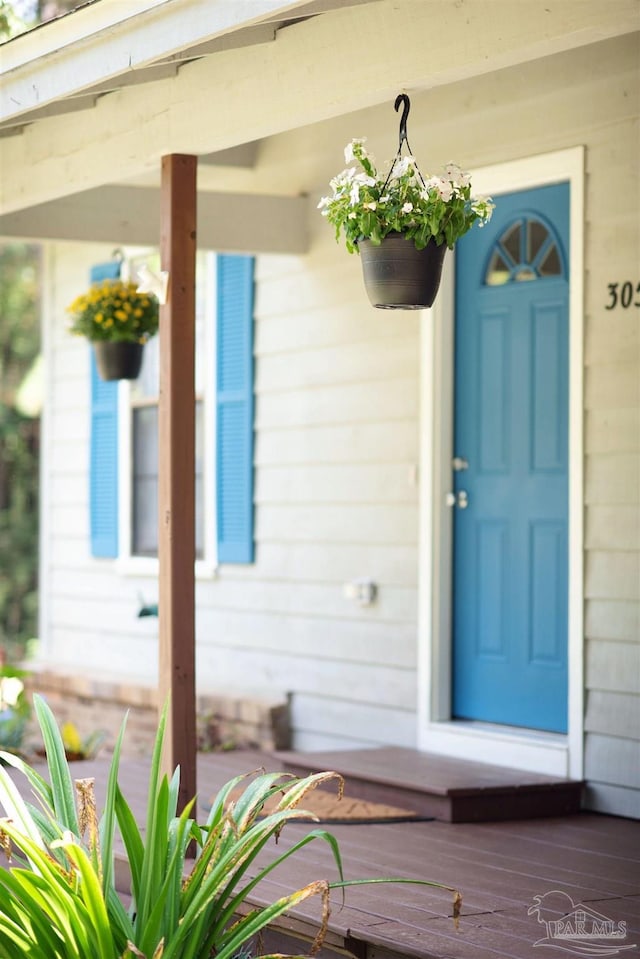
x=510 y=574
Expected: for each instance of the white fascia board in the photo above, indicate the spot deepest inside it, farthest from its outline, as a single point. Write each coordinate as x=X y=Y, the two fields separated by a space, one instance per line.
x=105 y=39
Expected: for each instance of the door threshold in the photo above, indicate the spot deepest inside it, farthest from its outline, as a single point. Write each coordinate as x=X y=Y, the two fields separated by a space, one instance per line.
x=531 y=750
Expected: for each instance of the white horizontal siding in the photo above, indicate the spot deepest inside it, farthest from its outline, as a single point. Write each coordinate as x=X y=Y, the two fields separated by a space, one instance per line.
x=350 y=725
x=613 y=575
x=69 y=490
x=100 y=647
x=366 y=683
x=391 y=400
x=613 y=760
x=613 y=478
x=69 y=457
x=612 y=386
x=331 y=562
x=613 y=666
x=351 y=364
x=395 y=604
x=351 y=443
x=610 y=619
x=612 y=431
x=613 y=713
x=375 y=525
x=613 y=337
x=613 y=800
x=613 y=527
x=306 y=636
x=337 y=483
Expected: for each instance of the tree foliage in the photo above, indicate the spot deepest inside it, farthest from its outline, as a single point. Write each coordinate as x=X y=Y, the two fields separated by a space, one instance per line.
x=19 y=442
x=18 y=16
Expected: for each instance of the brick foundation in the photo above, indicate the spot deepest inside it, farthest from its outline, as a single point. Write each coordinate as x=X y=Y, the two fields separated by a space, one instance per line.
x=224 y=721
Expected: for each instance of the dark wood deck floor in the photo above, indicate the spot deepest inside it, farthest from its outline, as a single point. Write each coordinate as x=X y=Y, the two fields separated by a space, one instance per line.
x=499 y=867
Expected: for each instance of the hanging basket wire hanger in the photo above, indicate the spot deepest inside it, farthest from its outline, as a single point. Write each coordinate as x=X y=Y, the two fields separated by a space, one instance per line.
x=403 y=100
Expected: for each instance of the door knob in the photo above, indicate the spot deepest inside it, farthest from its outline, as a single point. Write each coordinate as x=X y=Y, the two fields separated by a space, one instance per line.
x=458 y=463
x=460 y=499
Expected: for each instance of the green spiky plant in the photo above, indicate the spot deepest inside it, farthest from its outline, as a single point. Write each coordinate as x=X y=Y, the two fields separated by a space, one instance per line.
x=58 y=898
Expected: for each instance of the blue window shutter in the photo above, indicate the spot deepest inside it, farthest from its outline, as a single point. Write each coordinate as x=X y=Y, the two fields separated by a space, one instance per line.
x=103 y=472
x=234 y=406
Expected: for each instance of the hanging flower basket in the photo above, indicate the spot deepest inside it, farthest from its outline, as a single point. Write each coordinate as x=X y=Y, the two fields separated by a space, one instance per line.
x=118 y=360
x=118 y=320
x=397 y=276
x=402 y=223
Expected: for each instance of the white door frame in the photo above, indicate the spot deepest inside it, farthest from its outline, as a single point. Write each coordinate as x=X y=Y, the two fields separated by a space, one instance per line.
x=551 y=753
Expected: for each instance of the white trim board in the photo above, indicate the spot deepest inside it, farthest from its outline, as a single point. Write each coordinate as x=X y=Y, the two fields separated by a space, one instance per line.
x=506 y=746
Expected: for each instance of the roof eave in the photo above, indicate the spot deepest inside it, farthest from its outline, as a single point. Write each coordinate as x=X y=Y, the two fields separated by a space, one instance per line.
x=97 y=43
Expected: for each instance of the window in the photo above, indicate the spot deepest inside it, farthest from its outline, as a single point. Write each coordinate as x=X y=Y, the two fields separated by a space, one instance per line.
x=526 y=250
x=124 y=487
x=141 y=525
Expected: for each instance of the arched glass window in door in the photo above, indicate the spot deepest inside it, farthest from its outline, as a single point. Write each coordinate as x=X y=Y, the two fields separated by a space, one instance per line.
x=526 y=250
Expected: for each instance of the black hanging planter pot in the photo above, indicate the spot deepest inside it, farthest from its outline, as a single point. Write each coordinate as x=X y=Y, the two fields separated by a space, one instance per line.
x=118 y=360
x=399 y=277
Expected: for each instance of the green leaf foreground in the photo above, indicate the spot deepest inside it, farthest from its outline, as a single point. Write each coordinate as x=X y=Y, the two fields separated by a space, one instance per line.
x=58 y=898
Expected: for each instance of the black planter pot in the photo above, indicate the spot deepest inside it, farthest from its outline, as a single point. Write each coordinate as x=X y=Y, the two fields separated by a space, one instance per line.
x=399 y=277
x=118 y=360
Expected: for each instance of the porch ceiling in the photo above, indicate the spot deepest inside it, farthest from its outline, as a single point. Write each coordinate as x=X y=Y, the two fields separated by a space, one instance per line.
x=177 y=77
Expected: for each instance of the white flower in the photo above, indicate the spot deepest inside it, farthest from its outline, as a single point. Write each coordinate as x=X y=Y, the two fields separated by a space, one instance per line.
x=456 y=175
x=445 y=189
x=348 y=150
x=481 y=202
x=345 y=177
x=370 y=206
x=355 y=194
x=400 y=167
x=407 y=207
x=10 y=689
x=483 y=206
x=365 y=179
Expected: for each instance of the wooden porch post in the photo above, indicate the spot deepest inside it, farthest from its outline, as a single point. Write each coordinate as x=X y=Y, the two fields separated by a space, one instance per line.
x=176 y=492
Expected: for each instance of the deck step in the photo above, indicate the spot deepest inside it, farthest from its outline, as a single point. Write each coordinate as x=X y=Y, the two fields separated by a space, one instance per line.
x=452 y=790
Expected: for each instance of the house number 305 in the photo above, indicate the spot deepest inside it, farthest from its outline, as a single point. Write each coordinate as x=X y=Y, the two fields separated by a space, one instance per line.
x=623 y=294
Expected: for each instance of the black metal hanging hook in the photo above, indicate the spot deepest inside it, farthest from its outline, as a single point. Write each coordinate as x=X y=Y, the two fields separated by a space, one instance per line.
x=403 y=99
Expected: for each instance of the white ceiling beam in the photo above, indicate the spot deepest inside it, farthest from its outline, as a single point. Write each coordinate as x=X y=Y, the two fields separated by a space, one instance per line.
x=128 y=215
x=306 y=76
x=244 y=156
